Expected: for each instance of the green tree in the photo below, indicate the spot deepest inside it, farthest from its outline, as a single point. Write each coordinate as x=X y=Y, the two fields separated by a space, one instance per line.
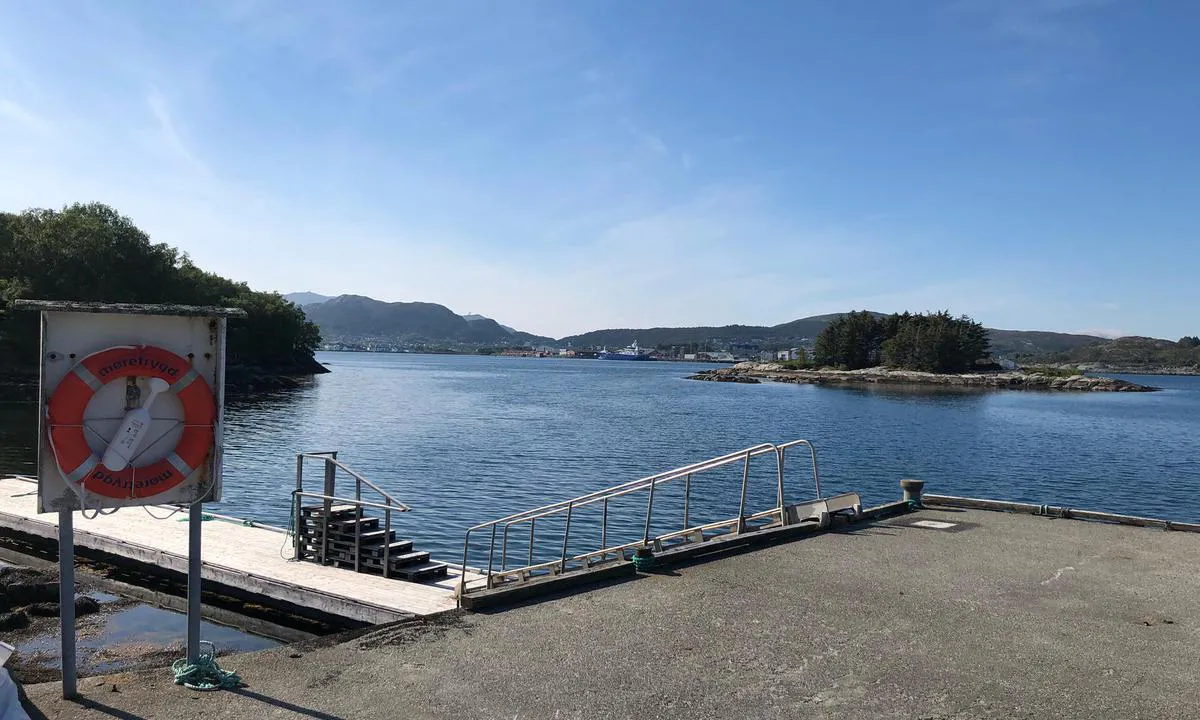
x=90 y=252
x=934 y=342
x=852 y=341
x=1189 y=341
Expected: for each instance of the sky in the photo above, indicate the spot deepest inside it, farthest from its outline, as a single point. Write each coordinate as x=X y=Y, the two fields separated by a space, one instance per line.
x=573 y=165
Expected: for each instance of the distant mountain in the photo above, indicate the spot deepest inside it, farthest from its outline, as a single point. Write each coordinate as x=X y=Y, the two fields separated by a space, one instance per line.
x=357 y=317
x=1009 y=343
x=471 y=317
x=792 y=333
x=354 y=317
x=306 y=298
x=1033 y=343
x=1135 y=353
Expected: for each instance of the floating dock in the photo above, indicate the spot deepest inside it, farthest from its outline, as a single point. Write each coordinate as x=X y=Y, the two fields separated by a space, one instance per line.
x=248 y=559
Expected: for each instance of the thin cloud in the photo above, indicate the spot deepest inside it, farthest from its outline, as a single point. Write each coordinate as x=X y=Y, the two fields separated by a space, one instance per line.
x=168 y=132
x=648 y=140
x=13 y=113
x=1100 y=332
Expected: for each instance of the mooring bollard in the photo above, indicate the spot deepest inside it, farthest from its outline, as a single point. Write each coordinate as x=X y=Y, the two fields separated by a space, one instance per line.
x=912 y=491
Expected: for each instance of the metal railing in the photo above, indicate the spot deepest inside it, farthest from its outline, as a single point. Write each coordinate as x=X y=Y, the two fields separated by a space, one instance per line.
x=329 y=498
x=500 y=529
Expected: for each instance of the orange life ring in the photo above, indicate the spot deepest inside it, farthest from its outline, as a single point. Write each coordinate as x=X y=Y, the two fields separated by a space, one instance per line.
x=64 y=413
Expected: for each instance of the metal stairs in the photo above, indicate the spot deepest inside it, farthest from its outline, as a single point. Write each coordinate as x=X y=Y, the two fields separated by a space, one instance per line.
x=338 y=531
x=352 y=540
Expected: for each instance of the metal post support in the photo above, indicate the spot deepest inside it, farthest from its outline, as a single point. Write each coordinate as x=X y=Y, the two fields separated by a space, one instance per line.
x=330 y=481
x=783 y=518
x=387 y=540
x=562 y=564
x=649 y=513
x=687 y=498
x=66 y=602
x=532 y=529
x=195 y=520
x=297 y=518
x=741 y=518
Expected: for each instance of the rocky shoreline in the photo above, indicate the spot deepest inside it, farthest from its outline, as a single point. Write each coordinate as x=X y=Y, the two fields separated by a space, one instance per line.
x=1016 y=380
x=23 y=386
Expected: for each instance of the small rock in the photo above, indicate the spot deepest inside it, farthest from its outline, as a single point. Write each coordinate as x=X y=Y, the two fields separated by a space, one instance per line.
x=27 y=593
x=113 y=688
x=295 y=655
x=85 y=605
x=13 y=620
x=43 y=609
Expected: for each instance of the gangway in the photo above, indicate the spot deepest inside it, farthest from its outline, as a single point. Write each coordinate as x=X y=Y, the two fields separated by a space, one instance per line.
x=498 y=573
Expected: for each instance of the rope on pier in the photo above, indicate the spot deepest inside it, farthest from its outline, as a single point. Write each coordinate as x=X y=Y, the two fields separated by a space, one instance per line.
x=205 y=673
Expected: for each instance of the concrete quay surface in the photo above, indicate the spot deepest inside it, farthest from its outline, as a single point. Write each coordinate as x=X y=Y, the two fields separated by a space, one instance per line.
x=998 y=616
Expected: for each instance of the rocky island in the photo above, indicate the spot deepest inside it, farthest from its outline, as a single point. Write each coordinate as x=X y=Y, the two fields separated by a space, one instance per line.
x=749 y=372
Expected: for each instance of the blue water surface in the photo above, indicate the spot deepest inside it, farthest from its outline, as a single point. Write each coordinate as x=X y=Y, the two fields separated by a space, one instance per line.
x=465 y=439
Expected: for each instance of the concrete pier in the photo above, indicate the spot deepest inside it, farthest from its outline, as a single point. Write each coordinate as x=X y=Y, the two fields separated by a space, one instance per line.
x=940 y=613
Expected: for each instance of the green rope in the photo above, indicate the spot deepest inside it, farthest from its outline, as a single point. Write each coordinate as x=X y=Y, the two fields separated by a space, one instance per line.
x=205 y=673
x=643 y=562
x=203 y=517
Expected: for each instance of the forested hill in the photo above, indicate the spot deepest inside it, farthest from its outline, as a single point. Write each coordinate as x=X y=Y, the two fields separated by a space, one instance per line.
x=355 y=316
x=93 y=253
x=1008 y=343
x=1136 y=354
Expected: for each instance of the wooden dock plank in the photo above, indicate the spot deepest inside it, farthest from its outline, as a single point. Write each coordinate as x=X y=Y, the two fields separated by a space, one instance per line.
x=251 y=558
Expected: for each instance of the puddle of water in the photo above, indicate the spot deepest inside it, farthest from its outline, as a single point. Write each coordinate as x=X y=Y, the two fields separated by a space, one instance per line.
x=136 y=631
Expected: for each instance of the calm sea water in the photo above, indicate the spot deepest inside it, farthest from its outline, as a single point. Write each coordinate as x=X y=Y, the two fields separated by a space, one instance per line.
x=465 y=439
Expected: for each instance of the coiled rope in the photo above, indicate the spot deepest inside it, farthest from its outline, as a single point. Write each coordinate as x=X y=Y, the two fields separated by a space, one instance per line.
x=205 y=673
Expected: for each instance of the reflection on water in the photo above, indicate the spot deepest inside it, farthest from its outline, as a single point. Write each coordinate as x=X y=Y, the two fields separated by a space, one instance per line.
x=465 y=439
x=131 y=633
x=18 y=437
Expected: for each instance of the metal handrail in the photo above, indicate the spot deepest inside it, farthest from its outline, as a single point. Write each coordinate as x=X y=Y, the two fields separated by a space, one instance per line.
x=389 y=505
x=331 y=457
x=816 y=473
x=649 y=484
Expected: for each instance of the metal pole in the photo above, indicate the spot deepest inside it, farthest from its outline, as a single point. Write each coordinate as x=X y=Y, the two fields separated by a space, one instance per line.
x=330 y=478
x=649 y=512
x=562 y=564
x=491 y=557
x=195 y=520
x=387 y=540
x=297 y=519
x=741 y=520
x=66 y=601
x=687 y=496
x=779 y=472
x=816 y=473
x=532 y=526
x=358 y=518
x=604 y=527
x=462 y=579
x=504 y=550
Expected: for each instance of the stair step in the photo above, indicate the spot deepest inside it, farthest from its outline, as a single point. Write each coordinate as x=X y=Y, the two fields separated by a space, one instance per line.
x=424 y=571
x=334 y=510
x=395 y=549
x=375 y=550
x=366 y=523
x=408 y=558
